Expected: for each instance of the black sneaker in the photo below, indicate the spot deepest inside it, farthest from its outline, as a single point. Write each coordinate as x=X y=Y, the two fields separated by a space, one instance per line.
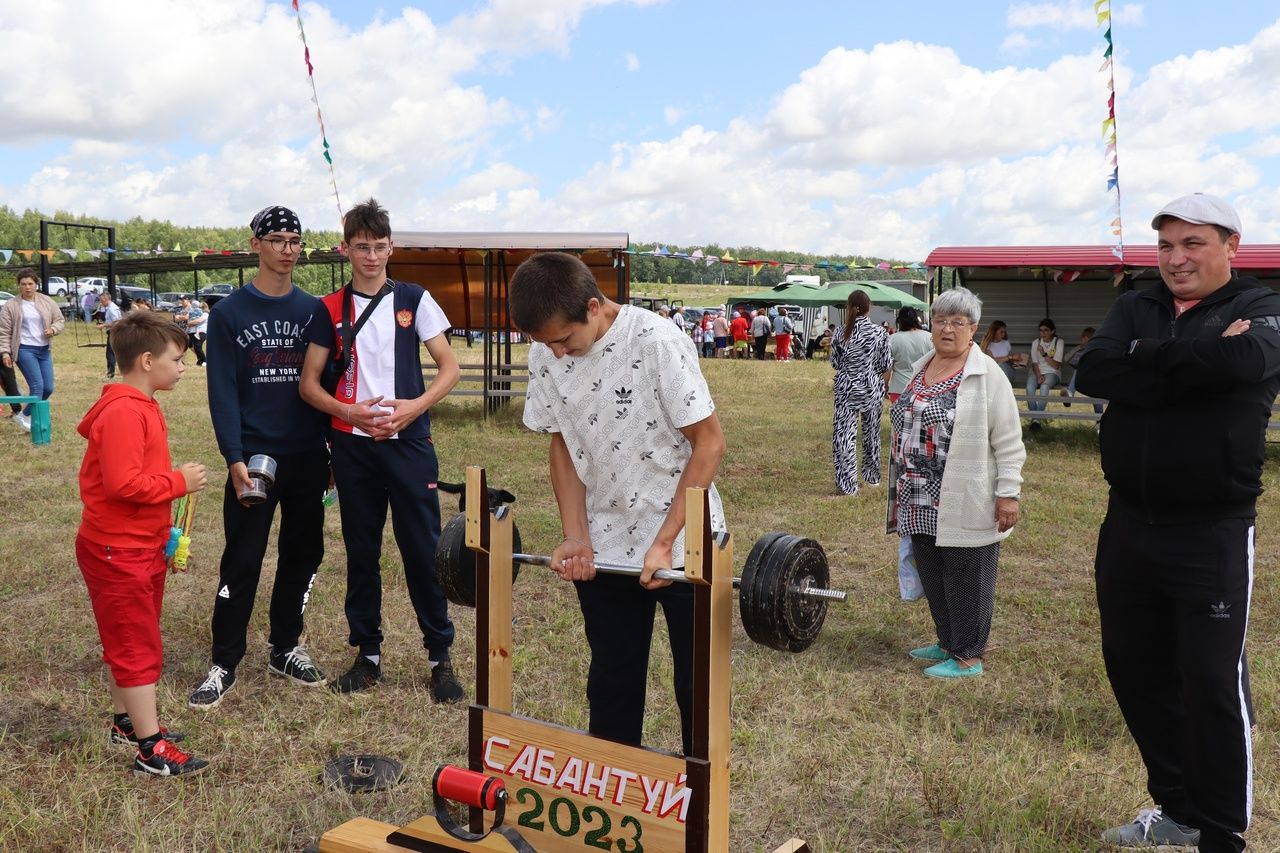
x=167 y=760
x=296 y=666
x=363 y=675
x=208 y=693
x=122 y=734
x=444 y=684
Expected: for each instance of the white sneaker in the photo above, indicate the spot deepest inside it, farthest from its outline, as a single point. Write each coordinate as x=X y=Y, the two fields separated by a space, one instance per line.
x=23 y=421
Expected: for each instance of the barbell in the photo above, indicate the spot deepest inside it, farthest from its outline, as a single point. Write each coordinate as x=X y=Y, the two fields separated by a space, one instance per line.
x=782 y=594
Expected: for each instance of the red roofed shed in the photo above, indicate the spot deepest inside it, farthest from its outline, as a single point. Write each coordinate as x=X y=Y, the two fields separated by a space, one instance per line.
x=1073 y=285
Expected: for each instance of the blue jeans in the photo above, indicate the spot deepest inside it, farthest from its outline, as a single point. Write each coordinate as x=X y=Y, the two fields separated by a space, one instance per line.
x=1050 y=381
x=36 y=364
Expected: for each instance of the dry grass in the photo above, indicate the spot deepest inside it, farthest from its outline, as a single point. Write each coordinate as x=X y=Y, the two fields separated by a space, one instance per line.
x=846 y=745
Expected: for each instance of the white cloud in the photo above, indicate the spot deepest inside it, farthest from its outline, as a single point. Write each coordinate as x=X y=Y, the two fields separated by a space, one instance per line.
x=671 y=115
x=1074 y=15
x=1017 y=42
x=633 y=61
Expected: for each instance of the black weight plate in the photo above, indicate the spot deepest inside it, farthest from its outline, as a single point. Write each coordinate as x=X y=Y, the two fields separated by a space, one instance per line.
x=771 y=591
x=360 y=773
x=456 y=563
x=751 y=605
x=805 y=564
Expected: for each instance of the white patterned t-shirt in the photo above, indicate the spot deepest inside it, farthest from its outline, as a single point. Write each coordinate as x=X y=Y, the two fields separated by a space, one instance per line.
x=620 y=407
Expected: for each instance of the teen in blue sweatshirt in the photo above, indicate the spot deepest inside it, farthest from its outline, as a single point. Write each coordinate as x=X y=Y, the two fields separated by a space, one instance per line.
x=256 y=346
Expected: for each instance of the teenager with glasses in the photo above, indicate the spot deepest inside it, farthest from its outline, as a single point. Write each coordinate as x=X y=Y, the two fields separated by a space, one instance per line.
x=255 y=338
x=380 y=431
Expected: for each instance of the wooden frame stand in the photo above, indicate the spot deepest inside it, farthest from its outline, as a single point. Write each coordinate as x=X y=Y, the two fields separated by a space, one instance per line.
x=569 y=792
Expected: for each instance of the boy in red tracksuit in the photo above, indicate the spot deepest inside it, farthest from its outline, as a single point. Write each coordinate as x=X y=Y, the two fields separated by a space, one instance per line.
x=126 y=484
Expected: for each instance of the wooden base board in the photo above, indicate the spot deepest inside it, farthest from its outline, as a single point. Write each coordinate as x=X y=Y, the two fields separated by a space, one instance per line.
x=362 y=835
x=795 y=845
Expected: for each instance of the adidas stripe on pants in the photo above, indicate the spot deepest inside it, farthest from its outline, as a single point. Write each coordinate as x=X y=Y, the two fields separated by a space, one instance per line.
x=1174 y=605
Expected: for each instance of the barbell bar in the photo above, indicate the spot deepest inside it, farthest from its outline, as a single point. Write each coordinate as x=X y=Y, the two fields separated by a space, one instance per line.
x=782 y=594
x=674 y=575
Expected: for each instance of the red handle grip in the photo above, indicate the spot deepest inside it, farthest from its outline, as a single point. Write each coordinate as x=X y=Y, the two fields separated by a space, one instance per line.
x=468 y=787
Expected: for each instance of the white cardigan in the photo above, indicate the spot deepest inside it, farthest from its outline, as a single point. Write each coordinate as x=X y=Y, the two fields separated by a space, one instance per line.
x=984 y=460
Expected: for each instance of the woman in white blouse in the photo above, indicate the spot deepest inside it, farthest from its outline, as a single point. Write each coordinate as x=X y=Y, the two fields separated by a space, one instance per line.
x=1045 y=373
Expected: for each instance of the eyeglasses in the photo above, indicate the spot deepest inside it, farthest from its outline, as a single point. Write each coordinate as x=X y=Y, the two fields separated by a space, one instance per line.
x=279 y=243
x=948 y=324
x=378 y=249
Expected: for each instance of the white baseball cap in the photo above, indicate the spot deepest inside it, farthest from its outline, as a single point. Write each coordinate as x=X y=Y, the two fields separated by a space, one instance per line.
x=1200 y=209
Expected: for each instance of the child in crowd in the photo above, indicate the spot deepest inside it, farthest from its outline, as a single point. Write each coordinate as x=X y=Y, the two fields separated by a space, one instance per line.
x=126 y=484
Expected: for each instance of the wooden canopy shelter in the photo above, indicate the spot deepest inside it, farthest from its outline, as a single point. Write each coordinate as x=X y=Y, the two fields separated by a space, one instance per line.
x=468 y=274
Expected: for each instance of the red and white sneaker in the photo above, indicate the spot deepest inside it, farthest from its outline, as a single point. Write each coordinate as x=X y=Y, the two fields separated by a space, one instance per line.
x=167 y=760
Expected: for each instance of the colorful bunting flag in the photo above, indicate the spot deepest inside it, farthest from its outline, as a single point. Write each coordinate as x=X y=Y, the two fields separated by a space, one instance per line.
x=1111 y=153
x=315 y=99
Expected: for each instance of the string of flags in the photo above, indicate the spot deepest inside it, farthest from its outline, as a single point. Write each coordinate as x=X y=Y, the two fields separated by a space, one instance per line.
x=27 y=256
x=697 y=256
x=315 y=99
x=1103 y=10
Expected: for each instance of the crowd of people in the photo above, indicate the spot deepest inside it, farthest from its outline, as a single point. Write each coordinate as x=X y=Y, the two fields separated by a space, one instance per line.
x=339 y=388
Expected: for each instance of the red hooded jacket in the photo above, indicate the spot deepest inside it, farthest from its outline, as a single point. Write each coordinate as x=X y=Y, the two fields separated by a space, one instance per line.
x=127 y=480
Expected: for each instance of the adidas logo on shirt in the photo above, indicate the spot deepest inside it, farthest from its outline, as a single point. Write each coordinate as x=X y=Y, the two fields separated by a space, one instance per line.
x=224 y=592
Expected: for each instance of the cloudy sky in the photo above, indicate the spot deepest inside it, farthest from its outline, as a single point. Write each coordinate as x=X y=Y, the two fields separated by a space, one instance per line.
x=829 y=126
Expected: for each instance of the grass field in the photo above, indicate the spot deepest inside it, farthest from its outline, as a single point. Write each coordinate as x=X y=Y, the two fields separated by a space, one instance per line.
x=847 y=745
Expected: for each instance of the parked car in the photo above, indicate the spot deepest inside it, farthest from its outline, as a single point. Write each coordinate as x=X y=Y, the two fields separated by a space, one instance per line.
x=126 y=293
x=172 y=300
x=56 y=285
x=213 y=293
x=5 y=296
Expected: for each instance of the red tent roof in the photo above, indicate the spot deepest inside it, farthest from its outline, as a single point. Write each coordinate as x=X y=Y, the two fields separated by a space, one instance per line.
x=1257 y=257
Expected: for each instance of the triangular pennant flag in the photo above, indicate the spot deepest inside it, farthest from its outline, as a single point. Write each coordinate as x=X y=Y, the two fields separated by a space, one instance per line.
x=48 y=253
x=71 y=253
x=1097 y=4
x=786 y=268
x=193 y=255
x=1106 y=63
x=177 y=247
x=1108 y=125
x=1107 y=35
x=8 y=253
x=1117 y=277
x=1115 y=223
x=1107 y=53
x=1103 y=16
x=94 y=253
x=307 y=251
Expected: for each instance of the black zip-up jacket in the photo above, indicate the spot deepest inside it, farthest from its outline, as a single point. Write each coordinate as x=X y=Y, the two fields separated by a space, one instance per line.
x=1184 y=432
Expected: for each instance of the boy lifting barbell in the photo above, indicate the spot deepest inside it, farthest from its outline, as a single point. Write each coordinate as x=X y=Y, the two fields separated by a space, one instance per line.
x=632 y=425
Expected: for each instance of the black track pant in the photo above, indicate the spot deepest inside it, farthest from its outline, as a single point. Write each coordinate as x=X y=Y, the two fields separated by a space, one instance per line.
x=618 y=616
x=1174 y=602
x=299 y=492
x=402 y=473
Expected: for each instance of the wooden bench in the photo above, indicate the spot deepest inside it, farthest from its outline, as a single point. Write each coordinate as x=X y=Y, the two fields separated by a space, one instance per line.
x=41 y=425
x=473 y=375
x=1080 y=408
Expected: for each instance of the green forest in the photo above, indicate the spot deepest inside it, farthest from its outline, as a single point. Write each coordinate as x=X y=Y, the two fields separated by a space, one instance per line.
x=22 y=231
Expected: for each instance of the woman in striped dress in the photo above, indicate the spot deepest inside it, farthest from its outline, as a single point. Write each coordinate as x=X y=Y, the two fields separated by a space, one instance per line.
x=860 y=357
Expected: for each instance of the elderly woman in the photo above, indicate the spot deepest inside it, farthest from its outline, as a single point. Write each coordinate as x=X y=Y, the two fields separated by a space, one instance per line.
x=957 y=472
x=27 y=327
x=860 y=356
